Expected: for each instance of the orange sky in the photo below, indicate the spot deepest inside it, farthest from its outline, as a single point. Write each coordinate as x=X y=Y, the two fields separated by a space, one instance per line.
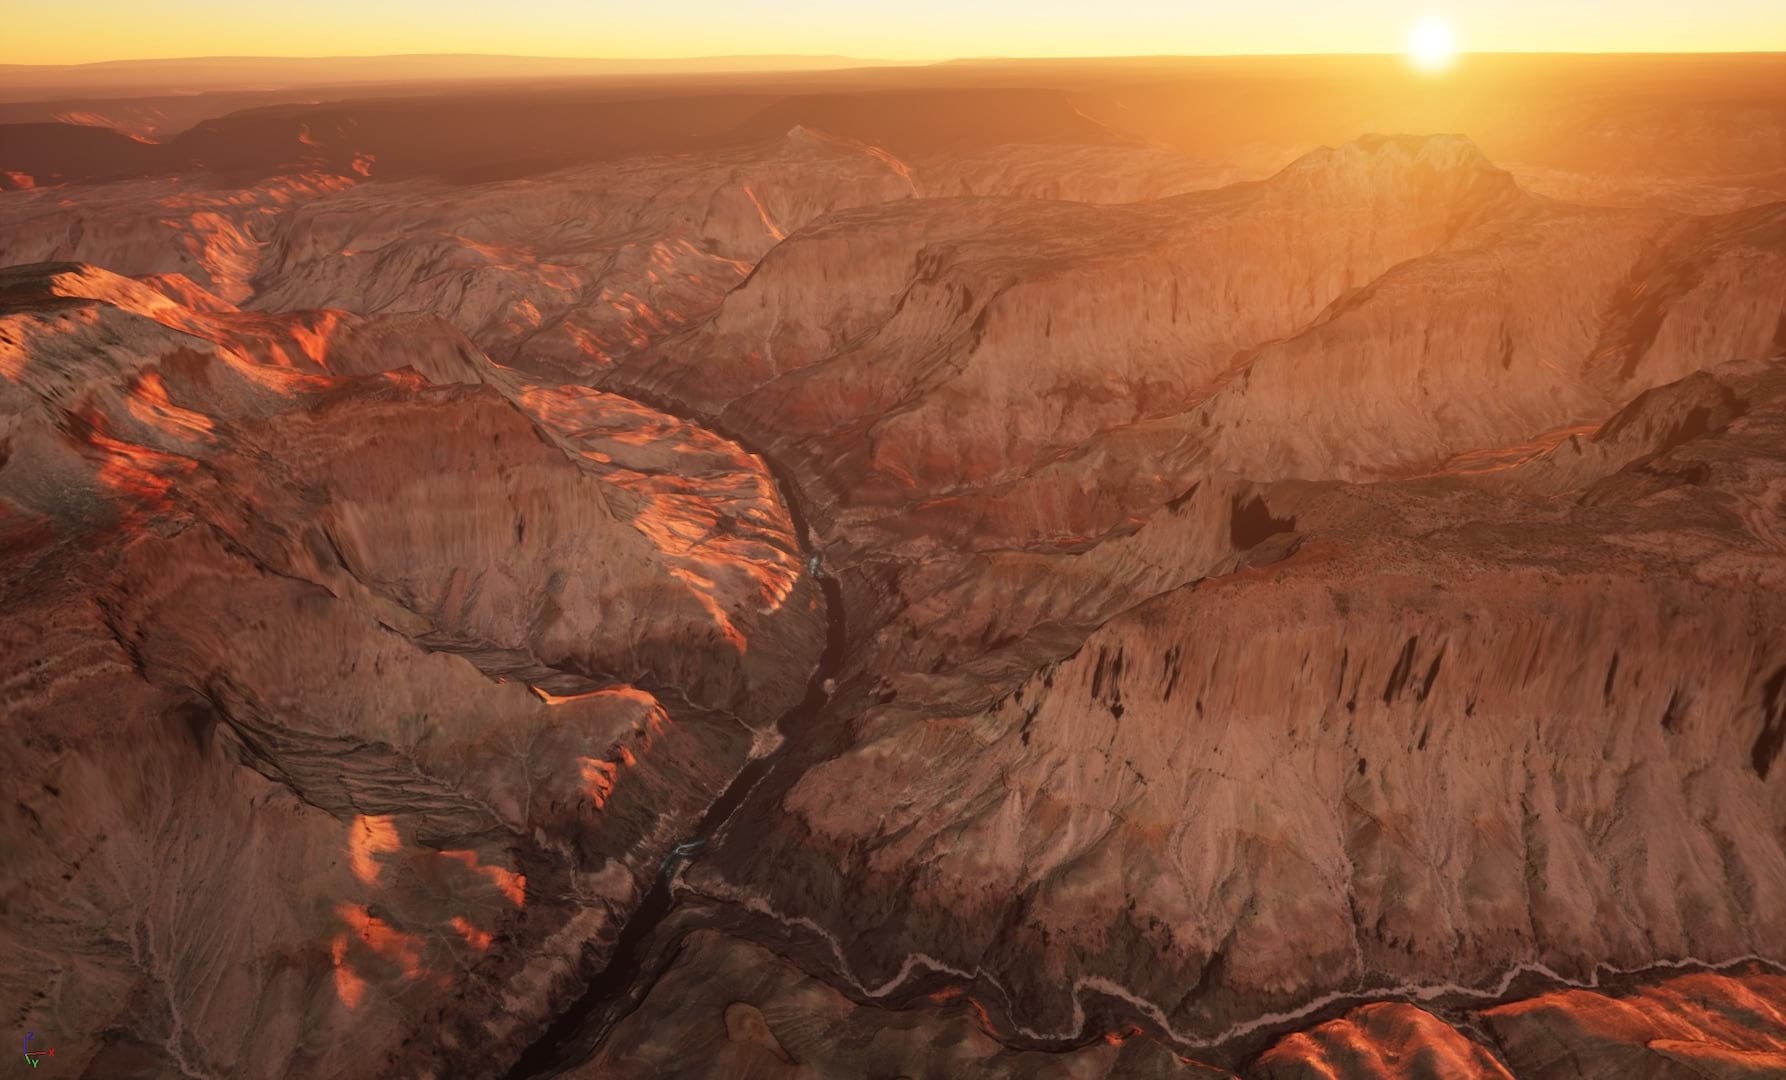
x=78 y=32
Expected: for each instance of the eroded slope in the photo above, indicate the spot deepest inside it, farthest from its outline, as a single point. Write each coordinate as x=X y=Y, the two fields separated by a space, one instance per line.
x=331 y=706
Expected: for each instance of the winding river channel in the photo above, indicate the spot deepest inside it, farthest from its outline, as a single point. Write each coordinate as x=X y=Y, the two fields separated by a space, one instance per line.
x=618 y=988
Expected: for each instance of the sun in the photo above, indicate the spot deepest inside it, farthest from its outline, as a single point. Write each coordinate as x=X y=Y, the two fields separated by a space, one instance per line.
x=1432 y=44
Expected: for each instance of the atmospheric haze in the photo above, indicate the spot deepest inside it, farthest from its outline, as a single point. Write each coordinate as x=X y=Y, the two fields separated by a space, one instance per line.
x=903 y=30
x=799 y=562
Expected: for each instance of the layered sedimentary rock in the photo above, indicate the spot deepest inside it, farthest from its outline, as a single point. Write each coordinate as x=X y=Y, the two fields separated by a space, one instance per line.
x=562 y=269
x=331 y=706
x=1384 y=1041
x=1427 y=308
x=1296 y=628
x=207 y=234
x=1389 y=784
x=1543 y=322
x=566 y=271
x=1731 y=1026
x=562 y=272
x=1132 y=737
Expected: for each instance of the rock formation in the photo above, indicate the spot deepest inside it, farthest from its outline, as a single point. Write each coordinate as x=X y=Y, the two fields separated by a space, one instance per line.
x=840 y=594
x=333 y=703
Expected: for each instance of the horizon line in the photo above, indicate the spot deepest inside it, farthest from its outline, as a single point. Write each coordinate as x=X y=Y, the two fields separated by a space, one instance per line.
x=873 y=60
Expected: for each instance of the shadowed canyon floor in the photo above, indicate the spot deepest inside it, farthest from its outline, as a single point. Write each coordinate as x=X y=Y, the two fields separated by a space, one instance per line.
x=917 y=581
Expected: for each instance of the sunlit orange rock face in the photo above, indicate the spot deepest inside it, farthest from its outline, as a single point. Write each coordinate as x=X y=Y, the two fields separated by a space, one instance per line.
x=1686 y=1025
x=1385 y=1041
x=910 y=584
x=209 y=236
x=334 y=637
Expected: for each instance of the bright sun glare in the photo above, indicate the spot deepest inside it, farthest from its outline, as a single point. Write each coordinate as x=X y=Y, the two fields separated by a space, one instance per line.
x=1432 y=44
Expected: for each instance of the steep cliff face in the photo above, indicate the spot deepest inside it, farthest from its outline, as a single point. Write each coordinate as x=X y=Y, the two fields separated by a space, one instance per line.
x=1420 y=750
x=1370 y=311
x=1300 y=628
x=333 y=690
x=1136 y=732
x=1110 y=314
x=1442 y=742
x=1542 y=324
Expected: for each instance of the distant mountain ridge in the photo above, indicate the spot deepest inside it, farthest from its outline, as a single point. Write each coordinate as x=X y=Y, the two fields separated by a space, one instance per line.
x=23 y=82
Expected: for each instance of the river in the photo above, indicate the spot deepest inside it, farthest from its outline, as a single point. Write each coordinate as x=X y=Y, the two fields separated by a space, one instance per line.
x=574 y=1034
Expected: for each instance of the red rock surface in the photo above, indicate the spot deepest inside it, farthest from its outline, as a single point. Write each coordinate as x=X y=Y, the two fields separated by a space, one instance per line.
x=917 y=583
x=330 y=701
x=1727 y=1026
x=1422 y=771
x=1385 y=1041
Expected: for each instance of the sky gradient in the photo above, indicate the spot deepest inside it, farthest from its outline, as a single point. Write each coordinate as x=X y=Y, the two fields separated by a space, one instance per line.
x=91 y=30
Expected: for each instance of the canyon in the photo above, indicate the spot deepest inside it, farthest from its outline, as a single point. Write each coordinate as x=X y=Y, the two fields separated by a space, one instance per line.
x=995 y=570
